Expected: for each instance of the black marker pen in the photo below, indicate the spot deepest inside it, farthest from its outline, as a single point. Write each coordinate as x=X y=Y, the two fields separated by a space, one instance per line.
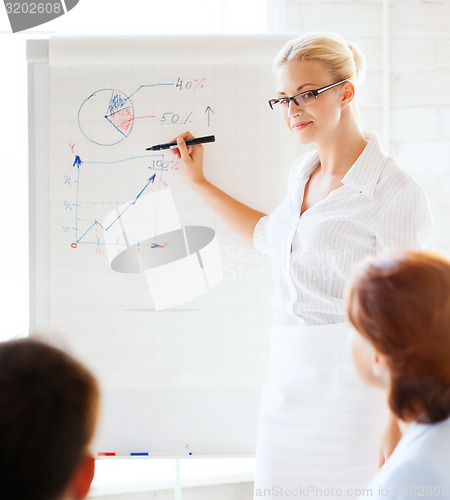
x=190 y=142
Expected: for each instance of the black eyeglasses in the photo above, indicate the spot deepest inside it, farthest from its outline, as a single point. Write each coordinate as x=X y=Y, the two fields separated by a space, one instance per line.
x=303 y=98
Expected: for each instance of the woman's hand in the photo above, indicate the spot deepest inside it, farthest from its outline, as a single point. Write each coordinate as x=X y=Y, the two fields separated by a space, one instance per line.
x=191 y=159
x=389 y=439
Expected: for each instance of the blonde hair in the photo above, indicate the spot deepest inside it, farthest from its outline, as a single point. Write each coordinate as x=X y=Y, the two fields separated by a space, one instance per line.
x=342 y=58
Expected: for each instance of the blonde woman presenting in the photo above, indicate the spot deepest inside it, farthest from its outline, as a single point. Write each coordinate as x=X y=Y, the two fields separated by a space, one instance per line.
x=320 y=431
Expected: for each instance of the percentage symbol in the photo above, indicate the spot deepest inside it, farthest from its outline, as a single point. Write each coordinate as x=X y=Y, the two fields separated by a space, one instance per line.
x=199 y=83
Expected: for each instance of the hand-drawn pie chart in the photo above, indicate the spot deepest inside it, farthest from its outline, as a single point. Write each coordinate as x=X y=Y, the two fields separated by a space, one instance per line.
x=106 y=117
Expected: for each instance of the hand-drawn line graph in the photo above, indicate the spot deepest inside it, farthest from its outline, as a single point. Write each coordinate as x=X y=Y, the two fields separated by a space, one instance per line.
x=145 y=235
x=84 y=233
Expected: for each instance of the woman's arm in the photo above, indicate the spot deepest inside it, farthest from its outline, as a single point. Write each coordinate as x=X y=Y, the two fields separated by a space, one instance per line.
x=241 y=218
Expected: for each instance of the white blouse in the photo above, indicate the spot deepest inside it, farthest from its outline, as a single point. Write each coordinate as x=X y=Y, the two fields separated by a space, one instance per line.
x=418 y=467
x=379 y=206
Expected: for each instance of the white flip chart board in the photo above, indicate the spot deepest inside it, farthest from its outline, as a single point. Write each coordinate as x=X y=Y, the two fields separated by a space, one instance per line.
x=136 y=273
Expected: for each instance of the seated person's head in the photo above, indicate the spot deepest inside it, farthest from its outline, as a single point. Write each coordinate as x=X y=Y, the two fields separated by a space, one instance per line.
x=400 y=305
x=48 y=411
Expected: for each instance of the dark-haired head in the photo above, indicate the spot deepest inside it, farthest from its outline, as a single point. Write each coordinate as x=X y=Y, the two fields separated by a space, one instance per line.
x=48 y=410
x=400 y=303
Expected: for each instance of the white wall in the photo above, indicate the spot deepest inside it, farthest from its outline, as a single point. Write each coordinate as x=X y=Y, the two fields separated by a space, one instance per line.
x=420 y=101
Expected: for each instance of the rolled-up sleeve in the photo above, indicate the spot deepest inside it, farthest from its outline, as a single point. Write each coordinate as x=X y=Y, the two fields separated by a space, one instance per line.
x=260 y=239
x=406 y=221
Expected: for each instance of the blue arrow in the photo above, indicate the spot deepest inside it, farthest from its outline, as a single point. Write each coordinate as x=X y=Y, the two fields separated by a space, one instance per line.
x=77 y=162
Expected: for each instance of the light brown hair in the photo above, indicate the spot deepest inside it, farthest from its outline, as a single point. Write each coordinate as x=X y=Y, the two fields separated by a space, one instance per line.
x=400 y=302
x=48 y=411
x=342 y=57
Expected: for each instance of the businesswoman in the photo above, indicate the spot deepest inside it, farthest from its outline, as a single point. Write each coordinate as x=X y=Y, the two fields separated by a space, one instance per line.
x=399 y=304
x=320 y=432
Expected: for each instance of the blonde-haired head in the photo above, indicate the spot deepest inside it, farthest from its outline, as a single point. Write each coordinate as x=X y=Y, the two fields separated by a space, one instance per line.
x=342 y=58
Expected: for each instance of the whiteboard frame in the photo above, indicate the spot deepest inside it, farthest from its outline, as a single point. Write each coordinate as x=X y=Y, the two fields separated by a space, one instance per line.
x=38 y=175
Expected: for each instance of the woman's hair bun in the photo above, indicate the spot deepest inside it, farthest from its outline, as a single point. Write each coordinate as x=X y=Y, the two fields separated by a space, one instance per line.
x=360 y=60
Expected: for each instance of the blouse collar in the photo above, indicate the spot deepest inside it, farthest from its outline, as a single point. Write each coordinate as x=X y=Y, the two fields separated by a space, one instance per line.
x=363 y=175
